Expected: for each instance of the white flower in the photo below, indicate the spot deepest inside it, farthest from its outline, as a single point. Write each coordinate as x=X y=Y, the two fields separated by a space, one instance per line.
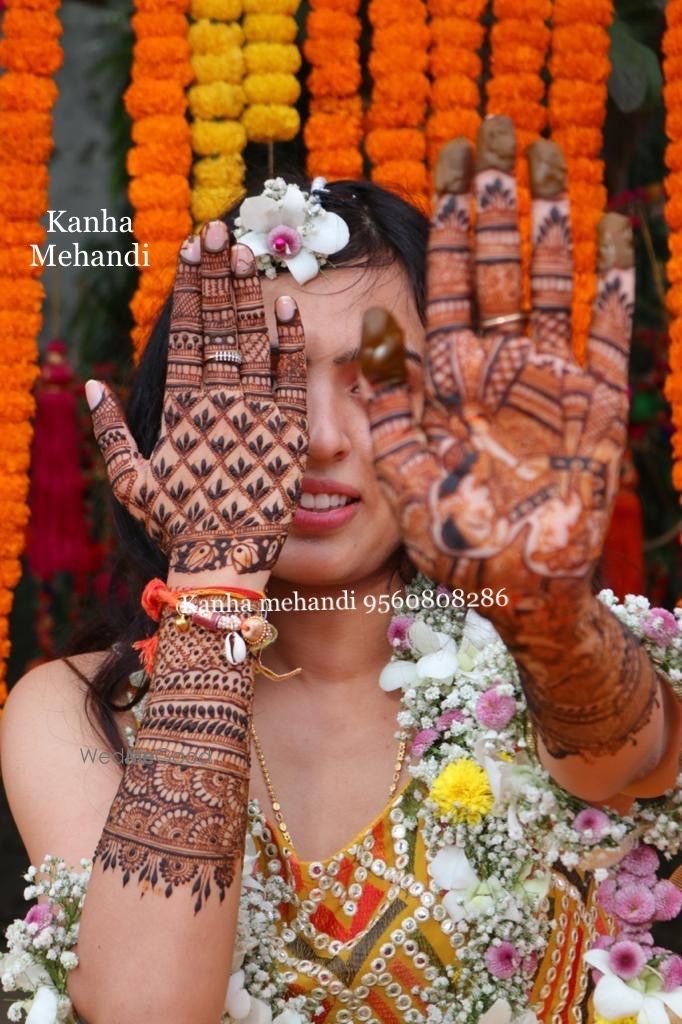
x=237 y=999
x=500 y=1013
x=479 y=631
x=441 y=665
x=68 y=960
x=614 y=998
x=288 y=1016
x=397 y=674
x=44 y=1006
x=250 y=862
x=451 y=869
x=29 y=974
x=425 y=640
x=292 y=230
x=260 y=1012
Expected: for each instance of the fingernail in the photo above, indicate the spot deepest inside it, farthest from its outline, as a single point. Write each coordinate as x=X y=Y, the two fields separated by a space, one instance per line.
x=496 y=145
x=93 y=393
x=242 y=261
x=547 y=168
x=454 y=167
x=285 y=308
x=216 y=236
x=191 y=249
x=382 y=353
x=616 y=243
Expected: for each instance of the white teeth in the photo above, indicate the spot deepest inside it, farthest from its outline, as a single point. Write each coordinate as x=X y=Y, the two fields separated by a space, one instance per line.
x=323 y=502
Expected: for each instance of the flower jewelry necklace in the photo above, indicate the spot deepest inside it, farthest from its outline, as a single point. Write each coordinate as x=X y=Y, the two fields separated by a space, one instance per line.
x=276 y=806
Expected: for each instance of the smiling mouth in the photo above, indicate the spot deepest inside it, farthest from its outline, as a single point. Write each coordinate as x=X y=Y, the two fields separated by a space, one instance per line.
x=325 y=502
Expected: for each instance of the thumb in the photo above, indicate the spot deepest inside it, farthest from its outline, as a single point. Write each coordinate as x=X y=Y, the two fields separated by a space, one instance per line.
x=116 y=443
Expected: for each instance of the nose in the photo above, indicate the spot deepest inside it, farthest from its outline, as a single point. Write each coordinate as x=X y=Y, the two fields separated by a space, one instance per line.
x=329 y=438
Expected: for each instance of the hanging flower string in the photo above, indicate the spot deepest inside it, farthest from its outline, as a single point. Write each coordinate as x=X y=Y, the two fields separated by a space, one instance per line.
x=30 y=54
x=160 y=159
x=271 y=94
x=579 y=68
x=672 y=49
x=216 y=103
x=394 y=139
x=516 y=88
x=333 y=131
x=455 y=67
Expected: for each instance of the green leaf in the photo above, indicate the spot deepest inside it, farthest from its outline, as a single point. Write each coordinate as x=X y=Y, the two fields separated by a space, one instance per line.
x=636 y=80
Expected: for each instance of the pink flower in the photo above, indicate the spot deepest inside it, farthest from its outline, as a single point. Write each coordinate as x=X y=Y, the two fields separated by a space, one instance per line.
x=668 y=899
x=493 y=710
x=635 y=904
x=660 y=626
x=627 y=878
x=41 y=914
x=397 y=632
x=635 y=935
x=502 y=961
x=606 y=894
x=591 y=823
x=603 y=942
x=627 y=959
x=671 y=972
x=284 y=242
x=530 y=964
x=641 y=861
x=444 y=721
x=423 y=740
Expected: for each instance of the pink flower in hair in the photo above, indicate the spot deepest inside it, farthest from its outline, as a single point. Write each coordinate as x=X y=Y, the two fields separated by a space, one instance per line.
x=423 y=741
x=635 y=904
x=495 y=711
x=641 y=861
x=591 y=823
x=502 y=961
x=668 y=899
x=626 y=959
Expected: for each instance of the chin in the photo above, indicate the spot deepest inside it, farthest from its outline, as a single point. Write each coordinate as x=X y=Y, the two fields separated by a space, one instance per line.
x=332 y=561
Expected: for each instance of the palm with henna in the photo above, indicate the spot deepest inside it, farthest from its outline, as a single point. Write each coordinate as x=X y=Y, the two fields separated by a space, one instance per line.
x=221 y=485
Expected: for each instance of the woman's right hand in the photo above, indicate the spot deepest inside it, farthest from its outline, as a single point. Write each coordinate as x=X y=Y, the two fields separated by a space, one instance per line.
x=221 y=485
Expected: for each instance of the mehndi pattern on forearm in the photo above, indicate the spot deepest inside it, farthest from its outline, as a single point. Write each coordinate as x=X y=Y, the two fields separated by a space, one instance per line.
x=178 y=819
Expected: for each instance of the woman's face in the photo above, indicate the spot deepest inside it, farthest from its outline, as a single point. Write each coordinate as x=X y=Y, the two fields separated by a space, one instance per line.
x=330 y=542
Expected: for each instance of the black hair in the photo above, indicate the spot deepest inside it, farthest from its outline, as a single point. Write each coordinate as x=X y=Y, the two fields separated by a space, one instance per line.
x=384 y=230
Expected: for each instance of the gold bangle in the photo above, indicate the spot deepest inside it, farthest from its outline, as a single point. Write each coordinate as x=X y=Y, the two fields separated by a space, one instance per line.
x=498 y=321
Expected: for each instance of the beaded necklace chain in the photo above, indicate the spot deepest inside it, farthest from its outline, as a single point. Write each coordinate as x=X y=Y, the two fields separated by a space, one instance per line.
x=276 y=806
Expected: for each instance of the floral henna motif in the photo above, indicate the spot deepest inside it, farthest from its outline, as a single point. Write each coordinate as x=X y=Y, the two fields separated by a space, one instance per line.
x=179 y=816
x=223 y=480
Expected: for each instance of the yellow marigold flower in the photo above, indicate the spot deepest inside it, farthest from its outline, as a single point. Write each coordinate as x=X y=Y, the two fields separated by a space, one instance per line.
x=618 y=1020
x=226 y=66
x=219 y=171
x=265 y=58
x=219 y=10
x=271 y=6
x=216 y=99
x=271 y=89
x=212 y=137
x=462 y=791
x=271 y=123
x=211 y=203
x=209 y=37
x=269 y=28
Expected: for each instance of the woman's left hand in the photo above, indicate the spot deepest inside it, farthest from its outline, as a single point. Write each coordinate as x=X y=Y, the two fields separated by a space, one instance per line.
x=508 y=481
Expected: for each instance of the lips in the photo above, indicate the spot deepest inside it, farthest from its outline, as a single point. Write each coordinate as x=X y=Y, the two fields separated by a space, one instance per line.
x=325 y=505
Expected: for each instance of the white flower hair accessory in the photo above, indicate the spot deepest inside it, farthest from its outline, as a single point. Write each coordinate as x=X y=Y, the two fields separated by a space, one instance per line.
x=287 y=227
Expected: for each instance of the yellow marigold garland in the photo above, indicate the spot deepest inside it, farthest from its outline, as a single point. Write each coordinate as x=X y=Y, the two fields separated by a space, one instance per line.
x=30 y=53
x=395 y=141
x=519 y=41
x=455 y=67
x=271 y=92
x=672 y=66
x=160 y=159
x=216 y=103
x=333 y=131
x=579 y=68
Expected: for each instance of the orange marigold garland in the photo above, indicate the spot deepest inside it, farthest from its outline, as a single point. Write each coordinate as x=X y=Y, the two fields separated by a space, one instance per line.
x=394 y=140
x=333 y=131
x=160 y=159
x=672 y=67
x=519 y=43
x=30 y=53
x=579 y=68
x=271 y=91
x=455 y=67
x=216 y=103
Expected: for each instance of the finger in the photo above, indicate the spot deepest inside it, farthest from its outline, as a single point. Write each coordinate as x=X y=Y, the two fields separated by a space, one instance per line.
x=552 y=263
x=122 y=458
x=596 y=470
x=498 y=248
x=449 y=270
x=185 y=341
x=221 y=352
x=290 y=387
x=608 y=346
x=252 y=331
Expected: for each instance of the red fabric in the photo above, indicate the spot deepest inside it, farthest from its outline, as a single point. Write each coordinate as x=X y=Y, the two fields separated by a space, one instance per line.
x=623 y=557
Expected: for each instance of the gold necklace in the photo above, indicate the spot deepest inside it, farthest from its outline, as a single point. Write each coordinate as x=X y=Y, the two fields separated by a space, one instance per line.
x=276 y=806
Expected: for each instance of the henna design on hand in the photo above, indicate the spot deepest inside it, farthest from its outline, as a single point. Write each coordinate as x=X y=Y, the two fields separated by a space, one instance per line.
x=179 y=816
x=222 y=483
x=509 y=478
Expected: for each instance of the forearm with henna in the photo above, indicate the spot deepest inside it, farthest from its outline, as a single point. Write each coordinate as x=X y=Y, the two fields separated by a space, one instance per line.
x=178 y=819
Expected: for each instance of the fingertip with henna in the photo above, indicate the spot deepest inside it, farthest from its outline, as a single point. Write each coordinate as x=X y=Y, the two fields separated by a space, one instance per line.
x=285 y=309
x=242 y=261
x=215 y=235
x=455 y=167
x=615 y=243
x=382 y=352
x=496 y=144
x=94 y=392
x=547 y=169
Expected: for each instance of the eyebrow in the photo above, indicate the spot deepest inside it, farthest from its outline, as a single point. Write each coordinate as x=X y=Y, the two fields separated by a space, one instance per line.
x=349 y=356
